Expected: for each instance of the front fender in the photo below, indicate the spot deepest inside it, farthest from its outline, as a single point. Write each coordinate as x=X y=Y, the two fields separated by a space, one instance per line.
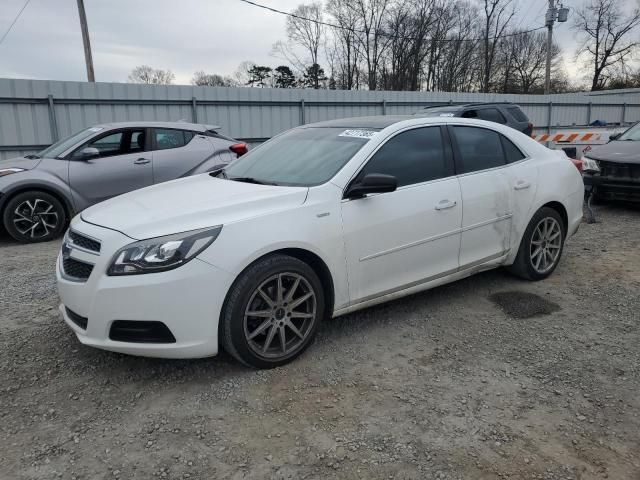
x=35 y=180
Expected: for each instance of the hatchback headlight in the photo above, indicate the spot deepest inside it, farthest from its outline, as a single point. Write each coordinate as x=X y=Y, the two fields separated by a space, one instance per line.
x=8 y=171
x=162 y=253
x=590 y=165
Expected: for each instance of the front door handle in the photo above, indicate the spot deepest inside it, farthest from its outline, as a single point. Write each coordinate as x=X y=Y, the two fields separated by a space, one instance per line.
x=521 y=185
x=444 y=204
x=141 y=161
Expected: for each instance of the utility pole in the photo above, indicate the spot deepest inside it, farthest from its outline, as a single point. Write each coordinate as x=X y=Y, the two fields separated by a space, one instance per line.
x=553 y=13
x=87 y=43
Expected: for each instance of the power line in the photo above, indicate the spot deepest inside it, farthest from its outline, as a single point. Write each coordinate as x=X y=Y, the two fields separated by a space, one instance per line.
x=379 y=32
x=14 y=21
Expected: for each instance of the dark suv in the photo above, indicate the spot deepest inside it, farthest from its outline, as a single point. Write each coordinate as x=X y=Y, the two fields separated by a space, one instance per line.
x=505 y=113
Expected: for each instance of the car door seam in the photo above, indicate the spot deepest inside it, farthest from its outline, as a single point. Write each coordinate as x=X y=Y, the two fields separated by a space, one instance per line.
x=411 y=244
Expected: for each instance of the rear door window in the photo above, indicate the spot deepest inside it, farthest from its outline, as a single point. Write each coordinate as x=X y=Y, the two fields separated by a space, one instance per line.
x=491 y=115
x=165 y=138
x=478 y=149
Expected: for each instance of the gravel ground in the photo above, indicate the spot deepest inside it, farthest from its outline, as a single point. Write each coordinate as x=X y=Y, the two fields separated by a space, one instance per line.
x=490 y=377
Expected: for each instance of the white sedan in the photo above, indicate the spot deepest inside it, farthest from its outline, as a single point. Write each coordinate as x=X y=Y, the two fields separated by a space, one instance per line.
x=320 y=221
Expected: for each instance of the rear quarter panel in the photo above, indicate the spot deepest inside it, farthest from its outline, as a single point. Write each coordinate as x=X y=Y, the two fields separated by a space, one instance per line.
x=221 y=155
x=558 y=181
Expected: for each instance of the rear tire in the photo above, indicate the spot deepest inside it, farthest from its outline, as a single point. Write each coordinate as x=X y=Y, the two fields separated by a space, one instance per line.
x=272 y=312
x=34 y=216
x=541 y=246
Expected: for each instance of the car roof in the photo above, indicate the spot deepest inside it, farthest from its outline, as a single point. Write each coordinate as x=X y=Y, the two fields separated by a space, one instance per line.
x=379 y=121
x=197 y=127
x=451 y=108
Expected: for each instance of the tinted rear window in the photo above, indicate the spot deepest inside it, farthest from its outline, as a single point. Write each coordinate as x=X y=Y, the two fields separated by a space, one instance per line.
x=491 y=115
x=479 y=148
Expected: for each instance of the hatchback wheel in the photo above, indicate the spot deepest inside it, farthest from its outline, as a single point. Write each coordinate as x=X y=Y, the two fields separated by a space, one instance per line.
x=272 y=312
x=34 y=217
x=541 y=246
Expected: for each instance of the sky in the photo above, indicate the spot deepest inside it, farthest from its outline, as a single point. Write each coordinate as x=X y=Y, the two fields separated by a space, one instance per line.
x=184 y=36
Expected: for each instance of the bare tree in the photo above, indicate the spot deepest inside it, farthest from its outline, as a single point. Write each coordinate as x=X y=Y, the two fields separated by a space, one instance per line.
x=497 y=16
x=411 y=22
x=371 y=39
x=529 y=53
x=212 y=80
x=343 y=54
x=453 y=67
x=606 y=28
x=241 y=75
x=304 y=29
x=149 y=75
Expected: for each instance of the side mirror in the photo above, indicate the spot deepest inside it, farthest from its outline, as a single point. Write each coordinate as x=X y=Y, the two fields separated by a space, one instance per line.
x=615 y=136
x=372 y=183
x=89 y=153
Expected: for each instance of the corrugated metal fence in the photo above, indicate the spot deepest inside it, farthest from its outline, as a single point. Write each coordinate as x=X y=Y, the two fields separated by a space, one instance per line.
x=36 y=113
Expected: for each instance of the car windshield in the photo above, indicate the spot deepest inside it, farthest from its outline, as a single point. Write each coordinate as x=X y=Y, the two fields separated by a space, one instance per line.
x=63 y=145
x=633 y=134
x=300 y=157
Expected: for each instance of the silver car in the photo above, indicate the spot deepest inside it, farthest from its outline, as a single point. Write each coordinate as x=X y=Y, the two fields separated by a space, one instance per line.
x=40 y=193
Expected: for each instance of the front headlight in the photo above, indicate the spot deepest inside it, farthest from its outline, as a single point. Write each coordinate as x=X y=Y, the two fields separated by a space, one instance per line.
x=162 y=253
x=8 y=171
x=590 y=165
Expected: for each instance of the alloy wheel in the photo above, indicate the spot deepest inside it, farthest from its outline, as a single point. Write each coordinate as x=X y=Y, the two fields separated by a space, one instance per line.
x=35 y=218
x=280 y=315
x=546 y=243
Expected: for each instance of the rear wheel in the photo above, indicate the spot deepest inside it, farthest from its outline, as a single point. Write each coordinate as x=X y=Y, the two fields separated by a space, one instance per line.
x=541 y=246
x=272 y=312
x=34 y=216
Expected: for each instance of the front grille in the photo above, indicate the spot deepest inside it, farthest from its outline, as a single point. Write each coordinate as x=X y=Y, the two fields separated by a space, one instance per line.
x=84 y=242
x=76 y=269
x=140 y=332
x=622 y=171
x=77 y=319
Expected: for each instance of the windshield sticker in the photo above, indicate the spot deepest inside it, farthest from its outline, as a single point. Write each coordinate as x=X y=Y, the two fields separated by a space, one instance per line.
x=367 y=134
x=95 y=129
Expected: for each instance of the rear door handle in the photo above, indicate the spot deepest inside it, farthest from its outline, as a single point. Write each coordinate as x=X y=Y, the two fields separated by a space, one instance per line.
x=521 y=185
x=141 y=161
x=444 y=204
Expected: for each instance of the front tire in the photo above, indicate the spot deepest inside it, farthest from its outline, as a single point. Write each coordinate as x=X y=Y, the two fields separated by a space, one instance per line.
x=272 y=312
x=541 y=246
x=34 y=216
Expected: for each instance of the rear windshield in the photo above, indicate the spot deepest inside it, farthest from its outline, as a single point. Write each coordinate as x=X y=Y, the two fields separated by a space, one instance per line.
x=301 y=157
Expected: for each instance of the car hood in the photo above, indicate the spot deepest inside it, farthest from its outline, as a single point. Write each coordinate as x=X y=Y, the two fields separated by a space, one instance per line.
x=620 y=151
x=20 y=162
x=188 y=204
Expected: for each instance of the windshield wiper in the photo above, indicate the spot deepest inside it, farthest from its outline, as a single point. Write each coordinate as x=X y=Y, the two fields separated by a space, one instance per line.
x=249 y=180
x=31 y=157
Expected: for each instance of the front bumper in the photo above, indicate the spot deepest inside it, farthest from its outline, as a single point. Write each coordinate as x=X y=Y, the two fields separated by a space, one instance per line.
x=614 y=188
x=187 y=300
